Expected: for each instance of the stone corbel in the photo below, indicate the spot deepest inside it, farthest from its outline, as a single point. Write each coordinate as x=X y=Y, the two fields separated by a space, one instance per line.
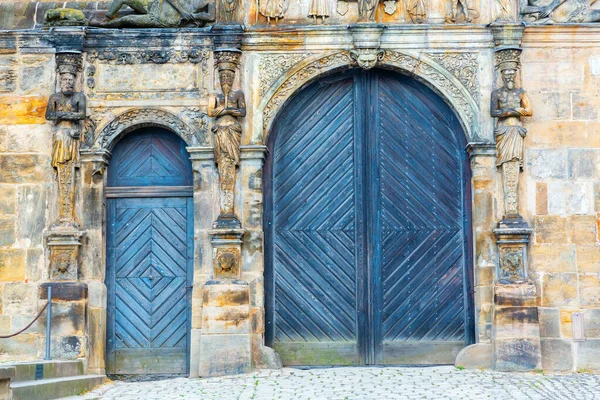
x=366 y=38
x=98 y=158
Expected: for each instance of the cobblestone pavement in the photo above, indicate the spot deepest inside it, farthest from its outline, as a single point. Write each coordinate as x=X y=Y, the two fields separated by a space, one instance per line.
x=361 y=383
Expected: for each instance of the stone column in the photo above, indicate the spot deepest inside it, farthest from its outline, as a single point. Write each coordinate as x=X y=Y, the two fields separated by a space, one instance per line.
x=516 y=323
x=67 y=112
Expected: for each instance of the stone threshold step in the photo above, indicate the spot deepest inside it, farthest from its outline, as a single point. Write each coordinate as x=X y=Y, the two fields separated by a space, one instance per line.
x=43 y=369
x=47 y=389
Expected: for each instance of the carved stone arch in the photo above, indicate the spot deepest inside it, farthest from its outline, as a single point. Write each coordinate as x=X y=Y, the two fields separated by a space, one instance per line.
x=136 y=118
x=414 y=64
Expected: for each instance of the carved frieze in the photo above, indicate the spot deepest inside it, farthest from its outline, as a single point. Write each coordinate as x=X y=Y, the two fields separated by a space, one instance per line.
x=464 y=66
x=113 y=56
x=566 y=11
x=272 y=66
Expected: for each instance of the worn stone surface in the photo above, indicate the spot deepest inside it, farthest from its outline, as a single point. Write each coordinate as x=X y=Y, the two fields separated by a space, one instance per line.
x=557 y=355
x=224 y=355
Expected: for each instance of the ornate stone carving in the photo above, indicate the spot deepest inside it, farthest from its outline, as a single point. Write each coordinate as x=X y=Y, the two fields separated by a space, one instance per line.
x=64 y=17
x=272 y=66
x=67 y=109
x=512 y=250
x=227 y=106
x=367 y=58
x=158 y=14
x=421 y=67
x=64 y=254
x=227 y=262
x=468 y=12
x=389 y=7
x=503 y=10
x=559 y=11
x=342 y=7
x=318 y=9
x=417 y=10
x=199 y=120
x=463 y=66
x=140 y=117
x=366 y=10
x=113 y=56
x=273 y=9
x=228 y=10
x=509 y=104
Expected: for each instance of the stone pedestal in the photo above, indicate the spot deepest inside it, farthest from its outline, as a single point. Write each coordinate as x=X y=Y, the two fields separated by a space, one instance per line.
x=516 y=328
x=64 y=245
x=225 y=346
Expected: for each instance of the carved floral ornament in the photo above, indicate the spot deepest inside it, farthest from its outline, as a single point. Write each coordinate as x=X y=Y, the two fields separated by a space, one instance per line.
x=141 y=117
x=449 y=84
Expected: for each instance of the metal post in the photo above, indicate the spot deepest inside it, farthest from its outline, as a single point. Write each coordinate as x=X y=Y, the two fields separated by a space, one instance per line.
x=48 y=323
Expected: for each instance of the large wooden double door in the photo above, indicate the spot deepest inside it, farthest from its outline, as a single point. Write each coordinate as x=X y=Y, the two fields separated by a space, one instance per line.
x=367 y=225
x=149 y=254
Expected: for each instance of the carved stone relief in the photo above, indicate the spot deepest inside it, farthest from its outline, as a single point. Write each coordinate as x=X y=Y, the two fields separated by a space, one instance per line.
x=417 y=11
x=272 y=66
x=366 y=10
x=462 y=11
x=421 y=67
x=565 y=11
x=273 y=10
x=8 y=80
x=113 y=56
x=463 y=66
x=318 y=9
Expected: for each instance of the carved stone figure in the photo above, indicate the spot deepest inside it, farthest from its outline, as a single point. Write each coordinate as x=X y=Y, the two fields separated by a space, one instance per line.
x=227 y=10
x=273 y=9
x=470 y=13
x=559 y=11
x=67 y=109
x=227 y=107
x=158 y=13
x=367 y=58
x=417 y=11
x=509 y=104
x=366 y=10
x=502 y=10
x=318 y=9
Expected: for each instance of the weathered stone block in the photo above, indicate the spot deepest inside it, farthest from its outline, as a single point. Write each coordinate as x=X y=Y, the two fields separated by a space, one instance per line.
x=36 y=79
x=549 y=322
x=550 y=229
x=588 y=354
x=5 y=324
x=566 y=322
x=23 y=110
x=24 y=345
x=478 y=355
x=516 y=322
x=557 y=355
x=25 y=168
x=559 y=290
x=12 y=265
x=65 y=291
x=257 y=319
x=553 y=258
x=97 y=339
x=257 y=292
x=226 y=320
x=19 y=299
x=96 y=294
x=591 y=323
x=588 y=258
x=68 y=318
x=541 y=198
x=515 y=295
x=583 y=163
x=35 y=264
x=223 y=295
x=583 y=106
x=557 y=134
x=264 y=357
x=547 y=163
x=31 y=219
x=517 y=354
x=224 y=355
x=7 y=231
x=7 y=200
x=29 y=139
x=581 y=229
x=65 y=347
x=589 y=290
x=597 y=196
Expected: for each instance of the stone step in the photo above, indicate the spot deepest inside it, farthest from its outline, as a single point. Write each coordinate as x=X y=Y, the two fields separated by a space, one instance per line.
x=42 y=369
x=47 y=389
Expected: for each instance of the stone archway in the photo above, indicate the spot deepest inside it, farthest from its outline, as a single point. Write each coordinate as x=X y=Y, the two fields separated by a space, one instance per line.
x=449 y=84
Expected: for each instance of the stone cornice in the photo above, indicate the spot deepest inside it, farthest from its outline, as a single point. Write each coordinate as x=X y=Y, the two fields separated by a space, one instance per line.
x=563 y=35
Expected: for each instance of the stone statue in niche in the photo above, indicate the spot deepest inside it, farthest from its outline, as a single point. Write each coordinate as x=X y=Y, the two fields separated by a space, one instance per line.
x=509 y=104
x=68 y=111
x=158 y=14
x=273 y=9
x=417 y=11
x=318 y=9
x=366 y=10
x=468 y=11
x=227 y=107
x=558 y=11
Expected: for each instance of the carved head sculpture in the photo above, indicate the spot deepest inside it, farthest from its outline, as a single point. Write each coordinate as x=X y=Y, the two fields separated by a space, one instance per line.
x=227 y=61
x=367 y=58
x=508 y=63
x=67 y=83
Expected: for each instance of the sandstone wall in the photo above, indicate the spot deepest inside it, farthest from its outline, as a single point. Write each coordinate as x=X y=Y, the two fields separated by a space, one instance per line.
x=26 y=82
x=561 y=72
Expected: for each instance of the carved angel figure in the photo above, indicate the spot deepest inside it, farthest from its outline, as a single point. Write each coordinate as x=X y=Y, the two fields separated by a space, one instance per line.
x=366 y=10
x=273 y=9
x=318 y=9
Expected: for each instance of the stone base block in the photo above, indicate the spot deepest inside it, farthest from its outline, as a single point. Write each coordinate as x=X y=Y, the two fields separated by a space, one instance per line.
x=517 y=354
x=478 y=355
x=557 y=355
x=516 y=322
x=264 y=357
x=588 y=355
x=516 y=295
x=225 y=355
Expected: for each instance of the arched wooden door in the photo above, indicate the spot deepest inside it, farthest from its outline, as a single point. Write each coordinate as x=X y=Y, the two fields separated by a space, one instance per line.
x=368 y=225
x=149 y=254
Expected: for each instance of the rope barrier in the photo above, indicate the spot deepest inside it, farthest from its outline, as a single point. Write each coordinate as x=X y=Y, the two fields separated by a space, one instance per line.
x=27 y=327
